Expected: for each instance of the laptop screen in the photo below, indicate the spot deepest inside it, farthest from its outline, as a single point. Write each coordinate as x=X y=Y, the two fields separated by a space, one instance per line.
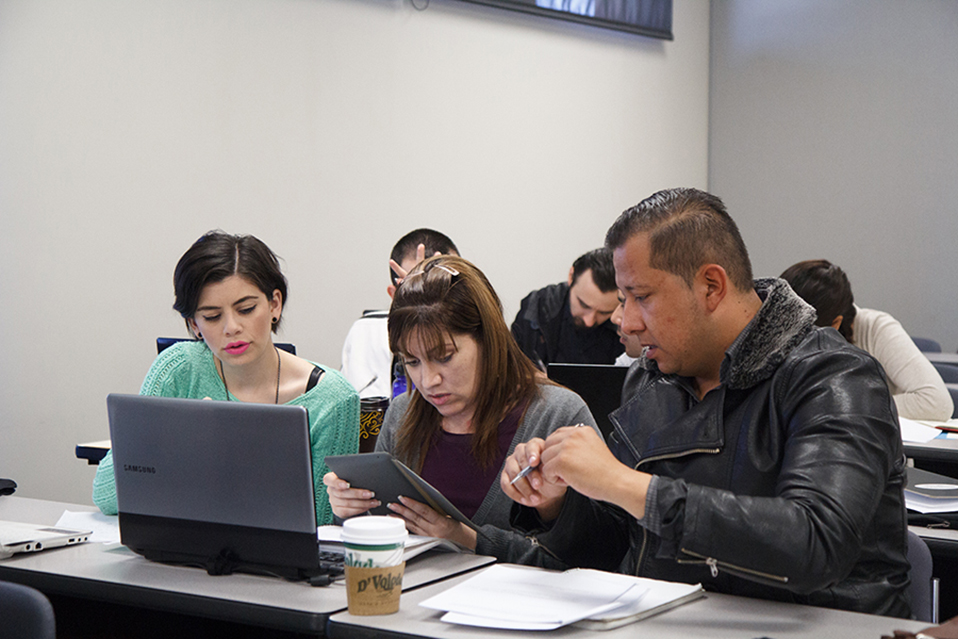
x=599 y=385
x=224 y=485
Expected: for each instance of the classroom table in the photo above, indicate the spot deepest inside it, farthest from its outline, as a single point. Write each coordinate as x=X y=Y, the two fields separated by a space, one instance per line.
x=938 y=456
x=715 y=616
x=113 y=574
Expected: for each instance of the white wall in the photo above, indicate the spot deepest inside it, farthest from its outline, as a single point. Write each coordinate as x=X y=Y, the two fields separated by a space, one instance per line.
x=326 y=127
x=834 y=134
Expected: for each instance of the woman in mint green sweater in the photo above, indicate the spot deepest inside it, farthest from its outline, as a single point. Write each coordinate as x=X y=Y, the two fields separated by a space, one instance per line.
x=230 y=291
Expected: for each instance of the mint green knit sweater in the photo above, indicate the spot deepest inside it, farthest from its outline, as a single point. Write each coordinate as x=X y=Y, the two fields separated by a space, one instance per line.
x=187 y=369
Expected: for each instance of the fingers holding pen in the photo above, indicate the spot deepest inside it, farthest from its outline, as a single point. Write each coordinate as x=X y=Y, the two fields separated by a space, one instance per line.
x=520 y=479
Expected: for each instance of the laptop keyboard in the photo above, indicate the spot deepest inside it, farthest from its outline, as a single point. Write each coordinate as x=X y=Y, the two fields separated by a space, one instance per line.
x=331 y=562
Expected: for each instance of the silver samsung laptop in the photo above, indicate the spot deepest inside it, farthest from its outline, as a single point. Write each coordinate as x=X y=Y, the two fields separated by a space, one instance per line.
x=17 y=537
x=224 y=485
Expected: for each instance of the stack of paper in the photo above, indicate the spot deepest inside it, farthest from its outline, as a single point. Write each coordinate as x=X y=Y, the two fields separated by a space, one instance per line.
x=927 y=492
x=523 y=598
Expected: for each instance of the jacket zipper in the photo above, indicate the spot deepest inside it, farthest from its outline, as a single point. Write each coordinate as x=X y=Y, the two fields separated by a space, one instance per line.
x=645 y=533
x=711 y=562
x=538 y=544
x=710 y=451
x=714 y=564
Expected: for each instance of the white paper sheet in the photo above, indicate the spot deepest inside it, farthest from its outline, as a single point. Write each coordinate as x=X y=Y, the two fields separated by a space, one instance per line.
x=517 y=597
x=912 y=431
x=106 y=528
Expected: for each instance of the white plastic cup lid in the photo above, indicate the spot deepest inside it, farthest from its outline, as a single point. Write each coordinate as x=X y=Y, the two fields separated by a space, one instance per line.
x=374 y=530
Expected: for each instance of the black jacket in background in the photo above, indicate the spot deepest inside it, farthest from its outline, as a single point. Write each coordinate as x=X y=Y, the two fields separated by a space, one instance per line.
x=546 y=332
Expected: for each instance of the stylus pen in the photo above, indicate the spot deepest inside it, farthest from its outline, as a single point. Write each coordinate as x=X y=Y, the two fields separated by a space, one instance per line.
x=522 y=473
x=528 y=469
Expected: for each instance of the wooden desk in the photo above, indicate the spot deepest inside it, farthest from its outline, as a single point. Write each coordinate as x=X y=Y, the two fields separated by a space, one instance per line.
x=114 y=574
x=714 y=617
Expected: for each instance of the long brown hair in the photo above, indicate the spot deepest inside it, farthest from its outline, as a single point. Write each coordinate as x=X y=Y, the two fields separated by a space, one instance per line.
x=446 y=296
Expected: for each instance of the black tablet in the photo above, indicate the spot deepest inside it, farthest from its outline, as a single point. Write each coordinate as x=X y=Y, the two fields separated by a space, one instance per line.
x=389 y=478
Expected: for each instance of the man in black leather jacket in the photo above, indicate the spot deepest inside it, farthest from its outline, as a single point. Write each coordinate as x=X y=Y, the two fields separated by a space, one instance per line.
x=757 y=454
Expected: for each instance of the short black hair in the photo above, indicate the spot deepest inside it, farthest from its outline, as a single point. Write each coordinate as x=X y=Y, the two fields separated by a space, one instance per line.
x=826 y=287
x=216 y=256
x=434 y=241
x=687 y=229
x=599 y=261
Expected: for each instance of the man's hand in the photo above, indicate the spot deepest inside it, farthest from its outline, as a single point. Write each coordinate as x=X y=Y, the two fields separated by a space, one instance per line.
x=401 y=273
x=578 y=457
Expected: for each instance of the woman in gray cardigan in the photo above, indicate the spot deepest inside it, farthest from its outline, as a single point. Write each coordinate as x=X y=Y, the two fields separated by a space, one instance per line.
x=474 y=397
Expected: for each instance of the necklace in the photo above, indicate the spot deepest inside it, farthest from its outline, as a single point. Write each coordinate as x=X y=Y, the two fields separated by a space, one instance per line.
x=279 y=367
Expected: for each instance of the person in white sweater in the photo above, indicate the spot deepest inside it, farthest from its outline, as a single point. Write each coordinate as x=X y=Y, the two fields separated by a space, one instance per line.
x=916 y=386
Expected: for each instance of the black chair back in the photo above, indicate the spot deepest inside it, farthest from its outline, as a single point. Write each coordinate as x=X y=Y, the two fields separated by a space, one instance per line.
x=25 y=613
x=926 y=345
x=948 y=372
x=923 y=590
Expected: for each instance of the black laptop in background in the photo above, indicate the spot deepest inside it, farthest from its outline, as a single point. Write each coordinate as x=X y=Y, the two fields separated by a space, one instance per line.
x=227 y=486
x=599 y=385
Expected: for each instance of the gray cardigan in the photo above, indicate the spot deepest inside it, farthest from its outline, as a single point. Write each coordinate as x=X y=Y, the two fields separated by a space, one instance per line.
x=553 y=407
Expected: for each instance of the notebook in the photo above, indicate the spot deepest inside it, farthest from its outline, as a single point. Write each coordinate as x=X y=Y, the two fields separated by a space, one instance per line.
x=16 y=537
x=599 y=386
x=227 y=486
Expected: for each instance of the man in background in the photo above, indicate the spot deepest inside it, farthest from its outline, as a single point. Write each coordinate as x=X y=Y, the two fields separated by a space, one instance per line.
x=633 y=347
x=367 y=360
x=570 y=321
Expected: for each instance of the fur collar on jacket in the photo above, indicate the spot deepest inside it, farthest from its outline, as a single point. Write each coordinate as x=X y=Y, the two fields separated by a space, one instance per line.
x=781 y=323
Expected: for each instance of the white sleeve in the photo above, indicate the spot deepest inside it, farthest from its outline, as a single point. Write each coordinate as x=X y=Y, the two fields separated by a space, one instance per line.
x=916 y=386
x=367 y=360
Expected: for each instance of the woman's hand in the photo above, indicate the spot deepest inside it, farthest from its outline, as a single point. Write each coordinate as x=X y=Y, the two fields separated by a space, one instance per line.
x=423 y=520
x=347 y=501
x=532 y=490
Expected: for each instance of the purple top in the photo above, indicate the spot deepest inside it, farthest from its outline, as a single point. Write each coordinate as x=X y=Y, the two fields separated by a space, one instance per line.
x=451 y=468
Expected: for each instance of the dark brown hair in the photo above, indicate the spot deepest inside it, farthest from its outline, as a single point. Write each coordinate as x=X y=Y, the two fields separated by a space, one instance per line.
x=447 y=296
x=216 y=256
x=826 y=287
x=687 y=229
x=433 y=241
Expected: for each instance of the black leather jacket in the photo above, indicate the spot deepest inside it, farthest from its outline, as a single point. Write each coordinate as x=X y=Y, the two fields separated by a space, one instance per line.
x=785 y=482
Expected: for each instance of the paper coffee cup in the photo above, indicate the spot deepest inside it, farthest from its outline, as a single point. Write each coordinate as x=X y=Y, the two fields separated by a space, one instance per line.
x=374 y=564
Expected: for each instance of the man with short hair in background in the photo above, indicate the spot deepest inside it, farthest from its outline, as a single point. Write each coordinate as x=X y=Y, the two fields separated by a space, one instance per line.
x=570 y=322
